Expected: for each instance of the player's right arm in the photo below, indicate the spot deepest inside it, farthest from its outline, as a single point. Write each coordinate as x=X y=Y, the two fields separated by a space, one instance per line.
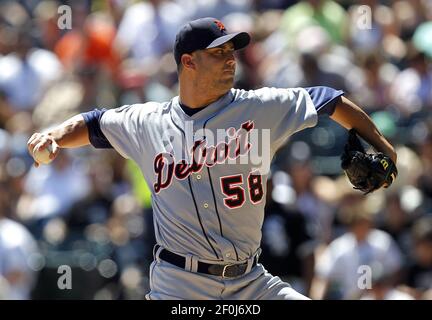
x=72 y=133
x=80 y=130
x=104 y=129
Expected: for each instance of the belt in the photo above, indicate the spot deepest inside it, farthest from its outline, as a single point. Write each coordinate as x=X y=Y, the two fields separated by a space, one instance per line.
x=221 y=270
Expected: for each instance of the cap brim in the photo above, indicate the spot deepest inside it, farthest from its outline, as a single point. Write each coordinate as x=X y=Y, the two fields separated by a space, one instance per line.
x=239 y=39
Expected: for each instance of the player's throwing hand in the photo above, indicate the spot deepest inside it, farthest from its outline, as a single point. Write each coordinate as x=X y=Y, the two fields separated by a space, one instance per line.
x=38 y=143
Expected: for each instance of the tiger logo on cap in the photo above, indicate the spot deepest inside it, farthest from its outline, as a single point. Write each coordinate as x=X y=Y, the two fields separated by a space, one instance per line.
x=220 y=25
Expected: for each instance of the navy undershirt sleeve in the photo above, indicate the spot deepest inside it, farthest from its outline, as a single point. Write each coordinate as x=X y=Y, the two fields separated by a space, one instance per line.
x=324 y=98
x=96 y=136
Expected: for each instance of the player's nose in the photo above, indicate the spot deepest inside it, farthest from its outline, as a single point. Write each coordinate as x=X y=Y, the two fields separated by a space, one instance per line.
x=231 y=61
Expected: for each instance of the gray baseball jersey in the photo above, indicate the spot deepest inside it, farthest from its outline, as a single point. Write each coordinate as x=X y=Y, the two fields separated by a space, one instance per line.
x=208 y=171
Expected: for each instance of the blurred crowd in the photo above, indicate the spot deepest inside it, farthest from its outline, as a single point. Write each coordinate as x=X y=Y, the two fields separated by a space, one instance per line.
x=91 y=210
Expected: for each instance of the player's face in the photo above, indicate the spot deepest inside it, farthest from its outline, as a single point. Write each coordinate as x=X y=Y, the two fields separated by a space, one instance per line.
x=216 y=67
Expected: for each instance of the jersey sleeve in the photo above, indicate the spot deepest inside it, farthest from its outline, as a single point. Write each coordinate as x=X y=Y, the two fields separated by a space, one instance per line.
x=285 y=112
x=96 y=136
x=324 y=98
x=120 y=127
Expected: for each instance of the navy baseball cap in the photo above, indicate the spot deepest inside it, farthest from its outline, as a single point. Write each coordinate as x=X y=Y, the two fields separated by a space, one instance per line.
x=206 y=33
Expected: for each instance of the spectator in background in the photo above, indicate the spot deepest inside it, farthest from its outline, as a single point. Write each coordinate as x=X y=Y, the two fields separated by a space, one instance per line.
x=17 y=249
x=89 y=44
x=396 y=221
x=361 y=38
x=419 y=272
x=411 y=91
x=45 y=17
x=45 y=198
x=383 y=287
x=27 y=71
x=87 y=52
x=375 y=84
x=424 y=181
x=94 y=208
x=219 y=9
x=148 y=30
x=313 y=75
x=337 y=269
x=263 y=5
x=287 y=244
x=306 y=63
x=325 y=13
x=6 y=111
x=318 y=215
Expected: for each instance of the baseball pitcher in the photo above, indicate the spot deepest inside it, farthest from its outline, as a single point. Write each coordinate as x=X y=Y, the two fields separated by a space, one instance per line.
x=205 y=155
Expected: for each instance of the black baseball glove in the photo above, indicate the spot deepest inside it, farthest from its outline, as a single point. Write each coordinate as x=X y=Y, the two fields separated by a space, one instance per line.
x=366 y=172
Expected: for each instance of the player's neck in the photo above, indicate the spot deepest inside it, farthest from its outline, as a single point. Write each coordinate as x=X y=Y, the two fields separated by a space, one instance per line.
x=194 y=97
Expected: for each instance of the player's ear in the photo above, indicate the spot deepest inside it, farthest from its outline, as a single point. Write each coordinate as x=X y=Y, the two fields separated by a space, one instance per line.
x=188 y=61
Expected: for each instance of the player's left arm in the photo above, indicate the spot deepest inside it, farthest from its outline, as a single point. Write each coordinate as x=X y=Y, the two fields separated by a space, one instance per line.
x=351 y=116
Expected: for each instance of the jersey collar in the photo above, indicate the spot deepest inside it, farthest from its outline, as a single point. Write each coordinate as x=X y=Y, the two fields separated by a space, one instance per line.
x=205 y=113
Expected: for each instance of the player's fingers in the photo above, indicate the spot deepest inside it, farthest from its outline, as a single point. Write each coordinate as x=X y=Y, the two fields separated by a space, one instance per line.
x=39 y=143
x=55 y=150
x=43 y=144
x=36 y=164
x=39 y=146
x=32 y=142
x=33 y=136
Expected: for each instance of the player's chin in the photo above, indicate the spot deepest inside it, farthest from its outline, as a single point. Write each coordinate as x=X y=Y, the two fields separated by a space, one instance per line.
x=224 y=87
x=227 y=80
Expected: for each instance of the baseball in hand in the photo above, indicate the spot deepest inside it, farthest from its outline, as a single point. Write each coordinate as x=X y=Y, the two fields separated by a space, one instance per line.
x=42 y=156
